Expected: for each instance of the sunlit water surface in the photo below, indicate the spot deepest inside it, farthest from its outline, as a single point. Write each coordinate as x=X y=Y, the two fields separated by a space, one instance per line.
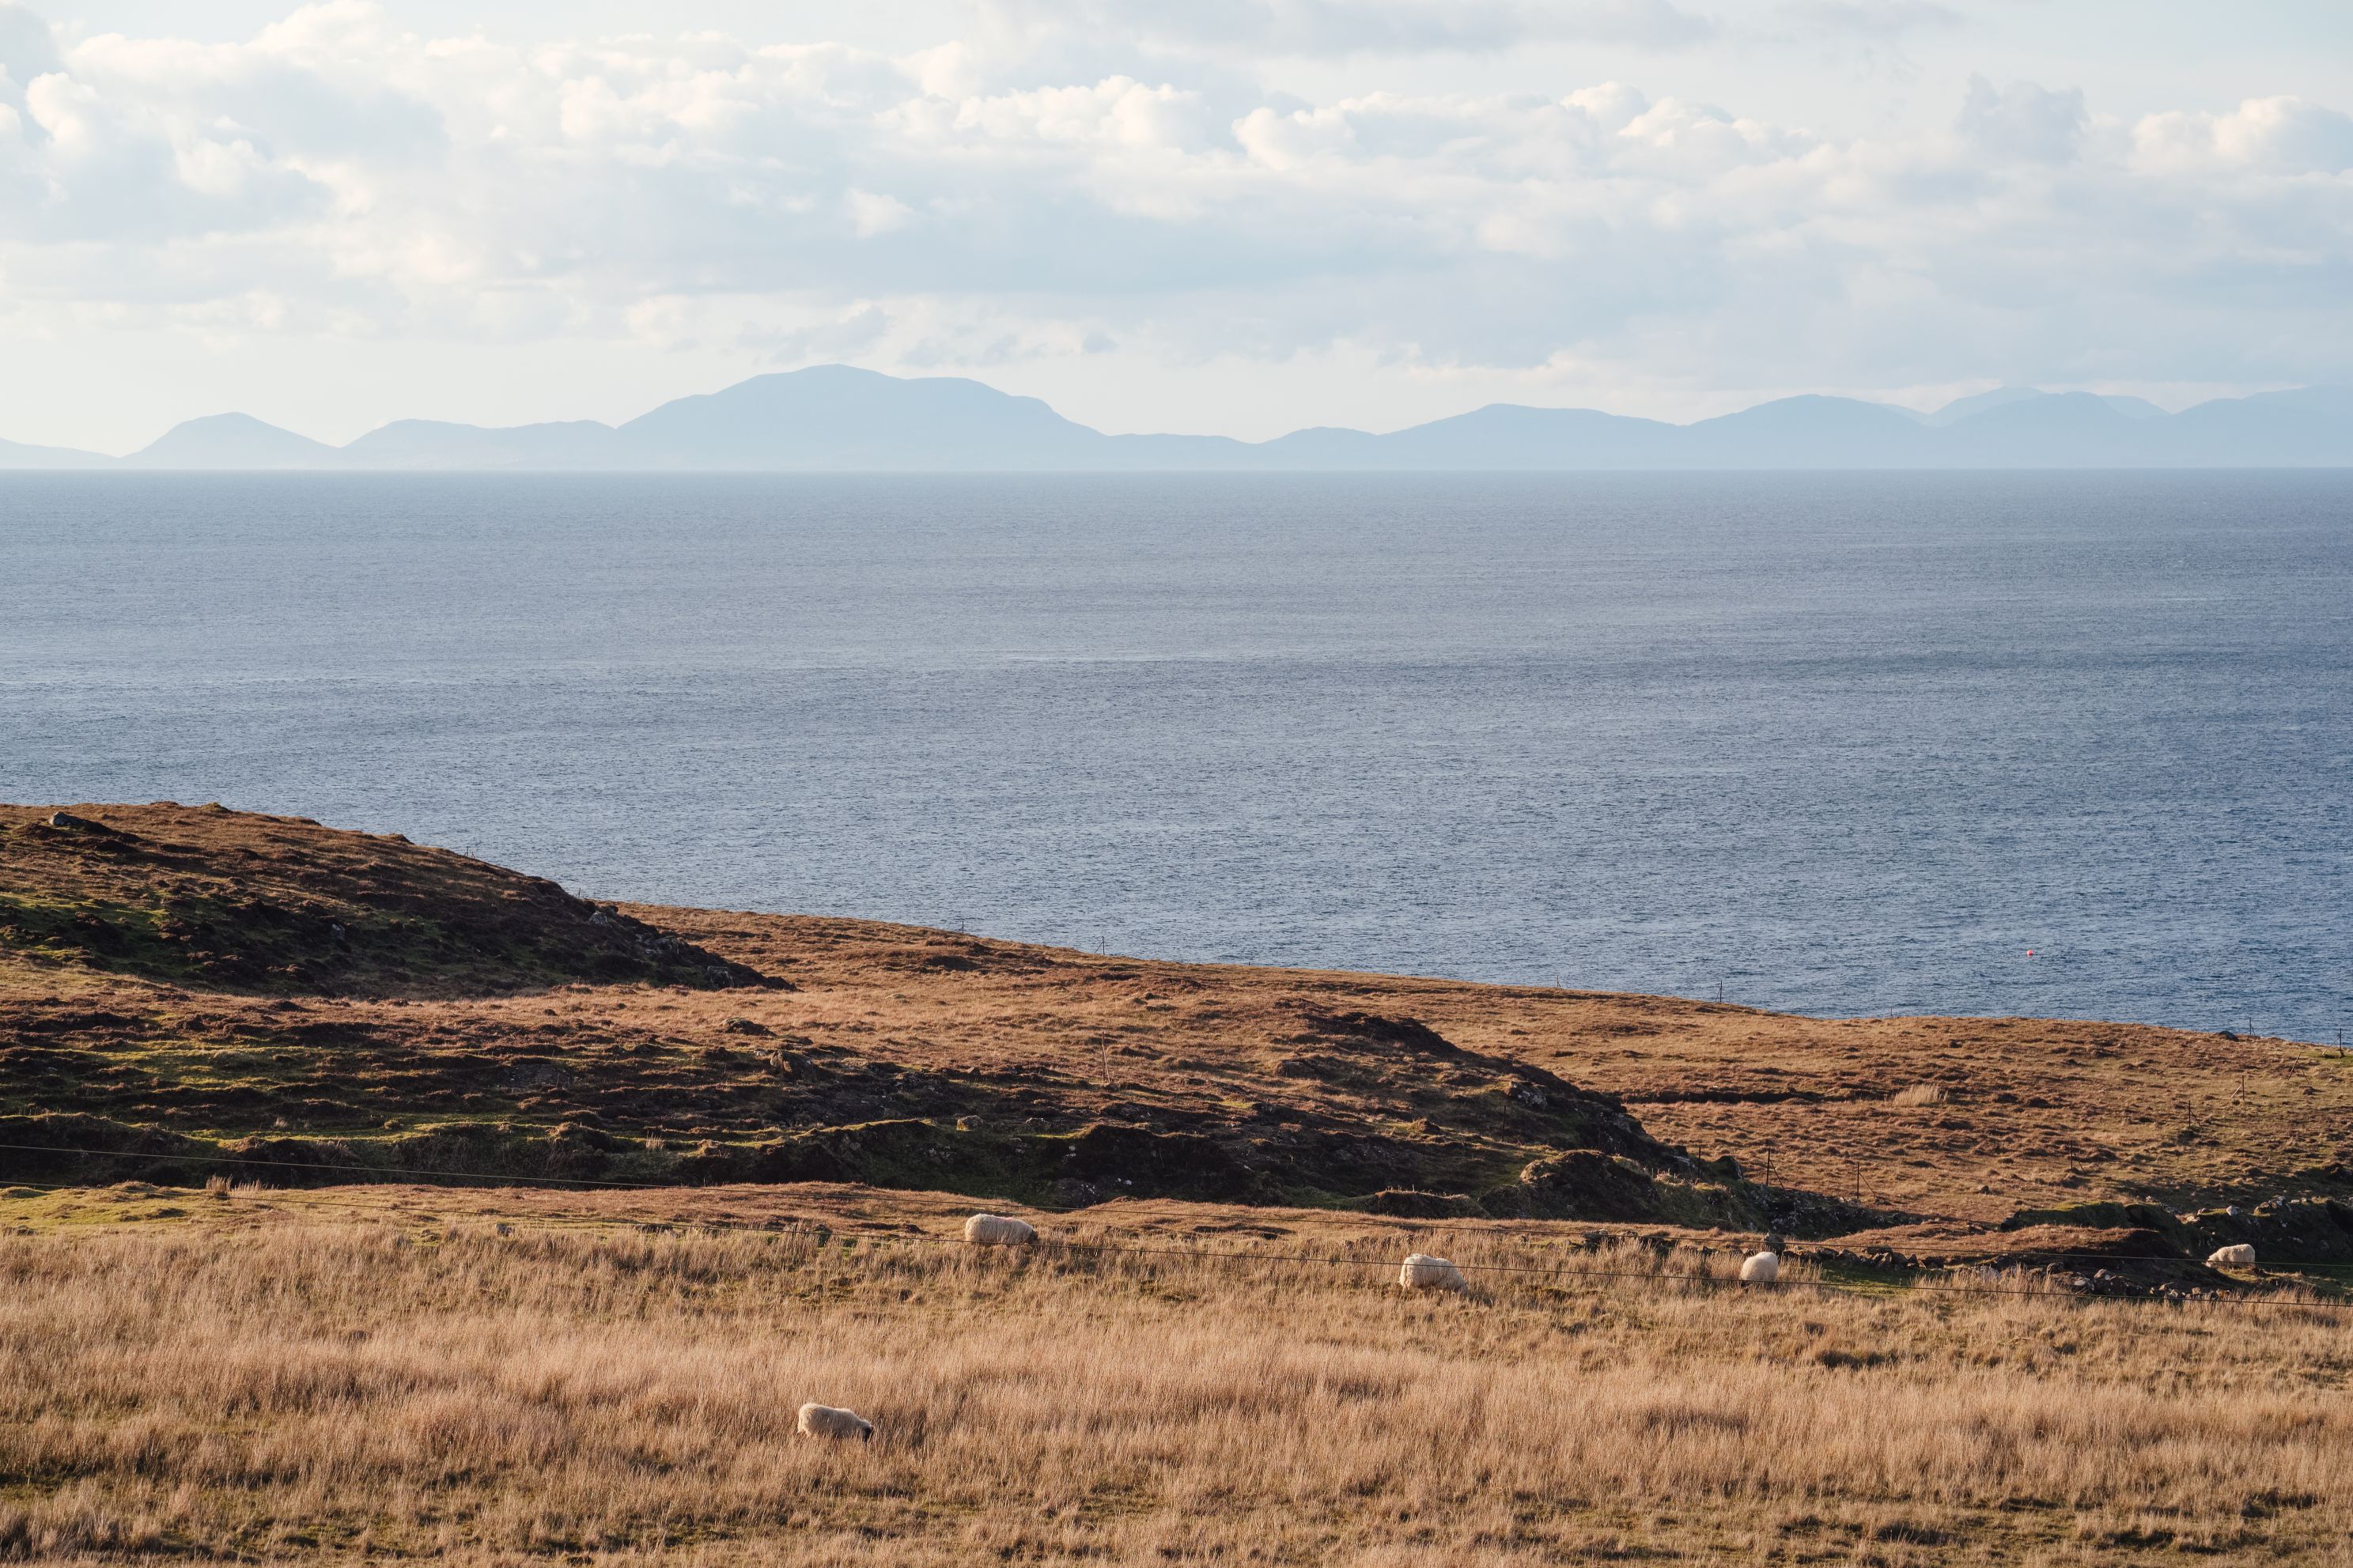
x=1847 y=744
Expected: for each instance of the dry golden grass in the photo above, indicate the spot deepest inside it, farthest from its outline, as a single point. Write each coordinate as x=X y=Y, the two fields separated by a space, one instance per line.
x=236 y=1374
x=265 y=1376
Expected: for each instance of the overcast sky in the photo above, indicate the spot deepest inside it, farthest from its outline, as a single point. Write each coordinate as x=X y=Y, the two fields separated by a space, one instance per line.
x=1229 y=216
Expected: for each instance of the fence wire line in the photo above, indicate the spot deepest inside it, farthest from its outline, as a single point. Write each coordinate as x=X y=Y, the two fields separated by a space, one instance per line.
x=1659 y=1278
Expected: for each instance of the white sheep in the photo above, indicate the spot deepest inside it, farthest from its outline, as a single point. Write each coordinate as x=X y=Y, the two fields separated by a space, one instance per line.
x=2239 y=1255
x=1423 y=1272
x=997 y=1230
x=1760 y=1268
x=825 y=1421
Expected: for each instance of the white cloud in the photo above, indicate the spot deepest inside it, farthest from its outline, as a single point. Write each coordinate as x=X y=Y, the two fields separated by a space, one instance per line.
x=840 y=337
x=1118 y=113
x=337 y=179
x=1345 y=27
x=2277 y=134
x=871 y=213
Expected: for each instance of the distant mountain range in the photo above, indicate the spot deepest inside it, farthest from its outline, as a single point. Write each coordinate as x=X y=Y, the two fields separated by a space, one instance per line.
x=837 y=418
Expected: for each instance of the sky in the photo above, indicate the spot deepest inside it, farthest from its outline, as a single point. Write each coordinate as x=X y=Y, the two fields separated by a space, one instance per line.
x=1237 y=216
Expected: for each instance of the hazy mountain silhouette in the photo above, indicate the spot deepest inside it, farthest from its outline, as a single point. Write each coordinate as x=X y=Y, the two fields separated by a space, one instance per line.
x=833 y=416
x=1961 y=408
x=2334 y=401
x=432 y=444
x=17 y=454
x=836 y=417
x=1810 y=432
x=1501 y=436
x=232 y=441
x=839 y=418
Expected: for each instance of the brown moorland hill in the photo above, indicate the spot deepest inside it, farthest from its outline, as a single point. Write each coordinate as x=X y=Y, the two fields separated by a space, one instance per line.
x=235 y=901
x=917 y=1058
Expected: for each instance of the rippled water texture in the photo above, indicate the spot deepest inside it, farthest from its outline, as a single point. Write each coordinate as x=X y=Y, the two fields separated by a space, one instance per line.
x=1847 y=744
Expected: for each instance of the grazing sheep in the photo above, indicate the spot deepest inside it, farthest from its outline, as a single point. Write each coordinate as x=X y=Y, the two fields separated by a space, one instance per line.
x=1423 y=1272
x=997 y=1230
x=825 y=1421
x=2237 y=1255
x=1760 y=1268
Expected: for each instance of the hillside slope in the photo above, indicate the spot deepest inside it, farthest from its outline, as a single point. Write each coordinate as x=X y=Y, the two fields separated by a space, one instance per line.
x=760 y=1048
x=232 y=901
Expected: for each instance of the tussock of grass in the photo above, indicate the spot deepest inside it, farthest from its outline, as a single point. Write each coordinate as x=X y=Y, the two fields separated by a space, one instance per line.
x=1920 y=1094
x=334 y=1389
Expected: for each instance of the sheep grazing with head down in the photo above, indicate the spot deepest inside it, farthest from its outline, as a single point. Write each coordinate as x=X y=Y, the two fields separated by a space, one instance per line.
x=2237 y=1255
x=1760 y=1268
x=1423 y=1272
x=825 y=1421
x=997 y=1230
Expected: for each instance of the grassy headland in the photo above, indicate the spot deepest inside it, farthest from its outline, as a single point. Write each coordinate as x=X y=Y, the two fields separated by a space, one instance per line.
x=198 y=982
x=290 y=1266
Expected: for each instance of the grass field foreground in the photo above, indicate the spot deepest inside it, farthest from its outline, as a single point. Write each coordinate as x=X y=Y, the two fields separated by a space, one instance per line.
x=236 y=1377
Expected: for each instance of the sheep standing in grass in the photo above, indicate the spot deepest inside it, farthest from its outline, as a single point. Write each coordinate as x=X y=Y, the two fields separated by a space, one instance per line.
x=1760 y=1268
x=825 y=1421
x=1423 y=1272
x=997 y=1230
x=2237 y=1255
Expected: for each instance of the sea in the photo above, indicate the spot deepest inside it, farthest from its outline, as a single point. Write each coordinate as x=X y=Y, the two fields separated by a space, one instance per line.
x=2072 y=744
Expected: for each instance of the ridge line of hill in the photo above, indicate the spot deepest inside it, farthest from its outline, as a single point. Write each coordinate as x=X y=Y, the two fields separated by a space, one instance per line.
x=839 y=418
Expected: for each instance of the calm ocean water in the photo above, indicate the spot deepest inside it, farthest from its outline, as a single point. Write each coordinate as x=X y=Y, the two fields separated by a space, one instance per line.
x=1845 y=745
